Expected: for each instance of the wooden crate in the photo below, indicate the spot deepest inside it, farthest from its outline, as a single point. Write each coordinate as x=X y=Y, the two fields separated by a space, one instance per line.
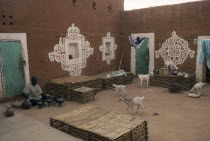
x=97 y=85
x=108 y=82
x=119 y=80
x=83 y=95
x=96 y=124
x=163 y=71
x=58 y=89
x=165 y=81
x=63 y=87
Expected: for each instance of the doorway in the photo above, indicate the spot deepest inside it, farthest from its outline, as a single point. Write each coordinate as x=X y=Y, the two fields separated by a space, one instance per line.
x=1 y=88
x=142 y=58
x=138 y=65
x=12 y=73
x=22 y=38
x=207 y=75
x=202 y=70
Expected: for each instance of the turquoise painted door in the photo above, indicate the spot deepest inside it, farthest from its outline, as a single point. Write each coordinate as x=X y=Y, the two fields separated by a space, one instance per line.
x=142 y=58
x=12 y=68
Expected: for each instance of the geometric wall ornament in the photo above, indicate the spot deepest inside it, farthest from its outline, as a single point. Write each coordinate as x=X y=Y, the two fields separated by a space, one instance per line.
x=108 y=48
x=175 y=49
x=72 y=51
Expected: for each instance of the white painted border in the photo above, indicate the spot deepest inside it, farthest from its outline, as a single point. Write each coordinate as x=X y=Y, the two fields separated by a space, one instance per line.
x=23 y=40
x=102 y=48
x=151 y=37
x=199 y=72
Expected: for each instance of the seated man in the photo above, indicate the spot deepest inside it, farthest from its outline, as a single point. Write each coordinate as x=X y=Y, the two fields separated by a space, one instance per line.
x=33 y=91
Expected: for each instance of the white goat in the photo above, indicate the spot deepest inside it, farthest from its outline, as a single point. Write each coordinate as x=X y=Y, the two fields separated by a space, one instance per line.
x=132 y=102
x=199 y=87
x=120 y=88
x=144 y=77
x=170 y=64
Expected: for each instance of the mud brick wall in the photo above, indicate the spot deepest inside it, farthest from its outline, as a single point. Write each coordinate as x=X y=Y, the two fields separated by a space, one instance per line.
x=189 y=20
x=44 y=21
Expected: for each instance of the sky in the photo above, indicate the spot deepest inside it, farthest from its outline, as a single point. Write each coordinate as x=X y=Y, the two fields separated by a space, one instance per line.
x=139 y=4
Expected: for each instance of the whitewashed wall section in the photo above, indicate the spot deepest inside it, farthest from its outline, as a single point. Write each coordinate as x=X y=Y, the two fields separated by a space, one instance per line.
x=108 y=48
x=175 y=49
x=72 y=51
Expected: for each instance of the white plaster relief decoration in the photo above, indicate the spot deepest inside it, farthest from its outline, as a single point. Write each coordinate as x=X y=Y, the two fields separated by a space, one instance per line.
x=72 y=51
x=175 y=49
x=108 y=48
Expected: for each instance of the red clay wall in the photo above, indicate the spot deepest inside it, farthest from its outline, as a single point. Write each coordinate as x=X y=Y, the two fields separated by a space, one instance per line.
x=44 y=21
x=189 y=20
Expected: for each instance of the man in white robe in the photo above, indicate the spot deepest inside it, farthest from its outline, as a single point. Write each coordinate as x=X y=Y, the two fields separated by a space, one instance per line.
x=33 y=91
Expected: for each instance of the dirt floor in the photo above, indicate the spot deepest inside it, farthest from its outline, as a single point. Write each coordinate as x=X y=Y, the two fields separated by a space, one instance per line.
x=180 y=118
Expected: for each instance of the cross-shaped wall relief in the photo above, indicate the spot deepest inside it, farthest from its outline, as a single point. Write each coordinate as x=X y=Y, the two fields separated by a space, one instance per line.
x=175 y=49
x=72 y=51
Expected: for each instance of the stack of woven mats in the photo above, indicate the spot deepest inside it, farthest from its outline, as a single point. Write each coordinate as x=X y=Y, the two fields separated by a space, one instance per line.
x=96 y=124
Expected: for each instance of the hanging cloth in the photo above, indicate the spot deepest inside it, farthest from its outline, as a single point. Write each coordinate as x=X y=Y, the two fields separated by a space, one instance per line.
x=205 y=52
x=0 y=62
x=135 y=41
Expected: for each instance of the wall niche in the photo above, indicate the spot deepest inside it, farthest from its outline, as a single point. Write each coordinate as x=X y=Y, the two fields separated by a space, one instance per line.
x=73 y=51
x=108 y=48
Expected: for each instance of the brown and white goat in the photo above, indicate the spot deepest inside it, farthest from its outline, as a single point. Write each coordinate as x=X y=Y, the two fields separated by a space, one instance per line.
x=132 y=102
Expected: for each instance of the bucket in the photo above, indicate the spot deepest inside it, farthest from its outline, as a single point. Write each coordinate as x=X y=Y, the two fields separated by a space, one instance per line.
x=174 y=88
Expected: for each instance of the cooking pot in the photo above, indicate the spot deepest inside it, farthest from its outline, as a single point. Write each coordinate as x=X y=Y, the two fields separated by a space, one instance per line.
x=174 y=88
x=26 y=105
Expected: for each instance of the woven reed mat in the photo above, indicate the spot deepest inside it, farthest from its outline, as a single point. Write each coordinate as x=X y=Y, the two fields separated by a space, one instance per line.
x=102 y=122
x=102 y=75
x=81 y=78
x=83 y=89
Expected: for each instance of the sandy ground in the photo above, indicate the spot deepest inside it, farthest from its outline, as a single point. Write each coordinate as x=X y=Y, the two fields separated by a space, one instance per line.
x=180 y=118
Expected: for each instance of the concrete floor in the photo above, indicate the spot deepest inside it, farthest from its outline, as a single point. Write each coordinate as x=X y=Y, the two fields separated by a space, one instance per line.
x=22 y=128
x=180 y=118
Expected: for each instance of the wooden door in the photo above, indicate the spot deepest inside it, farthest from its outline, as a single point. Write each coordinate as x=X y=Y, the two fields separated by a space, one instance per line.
x=142 y=58
x=1 y=84
x=12 y=76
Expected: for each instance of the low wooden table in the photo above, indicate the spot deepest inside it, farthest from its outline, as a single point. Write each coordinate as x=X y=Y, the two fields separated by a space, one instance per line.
x=64 y=87
x=96 y=124
x=164 y=81
x=119 y=80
